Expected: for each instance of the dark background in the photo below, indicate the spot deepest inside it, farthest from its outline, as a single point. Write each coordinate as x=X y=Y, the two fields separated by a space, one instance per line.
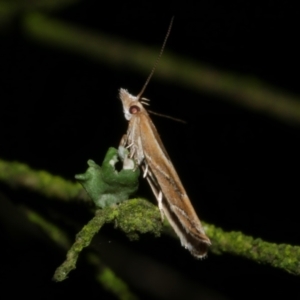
x=240 y=168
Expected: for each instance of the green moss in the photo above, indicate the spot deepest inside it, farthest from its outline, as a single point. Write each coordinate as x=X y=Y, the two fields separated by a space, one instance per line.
x=138 y=216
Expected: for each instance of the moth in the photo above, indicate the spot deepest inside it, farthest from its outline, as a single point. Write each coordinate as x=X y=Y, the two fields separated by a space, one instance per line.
x=146 y=148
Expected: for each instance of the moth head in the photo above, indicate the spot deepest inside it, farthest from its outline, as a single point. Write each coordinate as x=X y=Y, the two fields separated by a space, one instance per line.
x=131 y=104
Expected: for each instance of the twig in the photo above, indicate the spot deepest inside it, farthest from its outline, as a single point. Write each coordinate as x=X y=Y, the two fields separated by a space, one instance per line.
x=282 y=256
x=134 y=216
x=83 y=239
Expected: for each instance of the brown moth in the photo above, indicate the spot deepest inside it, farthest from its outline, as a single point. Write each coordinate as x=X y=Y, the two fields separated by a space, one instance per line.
x=148 y=151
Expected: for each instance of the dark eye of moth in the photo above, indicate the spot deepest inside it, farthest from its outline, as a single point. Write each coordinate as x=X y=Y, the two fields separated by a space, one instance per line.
x=134 y=109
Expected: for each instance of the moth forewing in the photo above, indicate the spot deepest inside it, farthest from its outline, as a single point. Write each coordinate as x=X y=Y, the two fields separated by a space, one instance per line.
x=175 y=203
x=149 y=152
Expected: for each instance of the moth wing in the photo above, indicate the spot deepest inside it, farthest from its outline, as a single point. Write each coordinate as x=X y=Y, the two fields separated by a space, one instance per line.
x=175 y=204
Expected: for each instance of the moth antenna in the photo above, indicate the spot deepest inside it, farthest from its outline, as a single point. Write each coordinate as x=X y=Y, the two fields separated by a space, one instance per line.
x=166 y=116
x=157 y=60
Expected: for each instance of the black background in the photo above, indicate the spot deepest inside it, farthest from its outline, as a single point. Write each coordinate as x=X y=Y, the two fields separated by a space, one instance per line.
x=240 y=168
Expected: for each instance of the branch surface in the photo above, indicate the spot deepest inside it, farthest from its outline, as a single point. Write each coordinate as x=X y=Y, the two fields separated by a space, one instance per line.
x=138 y=216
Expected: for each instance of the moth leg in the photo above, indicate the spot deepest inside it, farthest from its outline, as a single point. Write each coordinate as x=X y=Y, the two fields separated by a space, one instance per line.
x=154 y=187
x=132 y=150
x=145 y=171
x=123 y=140
x=158 y=195
x=160 y=206
x=130 y=145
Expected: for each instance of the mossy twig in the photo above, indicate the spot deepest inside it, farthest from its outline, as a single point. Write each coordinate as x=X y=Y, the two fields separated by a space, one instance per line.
x=282 y=256
x=139 y=216
x=83 y=239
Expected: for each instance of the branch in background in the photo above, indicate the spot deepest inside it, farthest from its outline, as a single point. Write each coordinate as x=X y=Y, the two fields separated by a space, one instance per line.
x=18 y=175
x=242 y=90
x=134 y=216
x=55 y=233
x=110 y=281
x=10 y=9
